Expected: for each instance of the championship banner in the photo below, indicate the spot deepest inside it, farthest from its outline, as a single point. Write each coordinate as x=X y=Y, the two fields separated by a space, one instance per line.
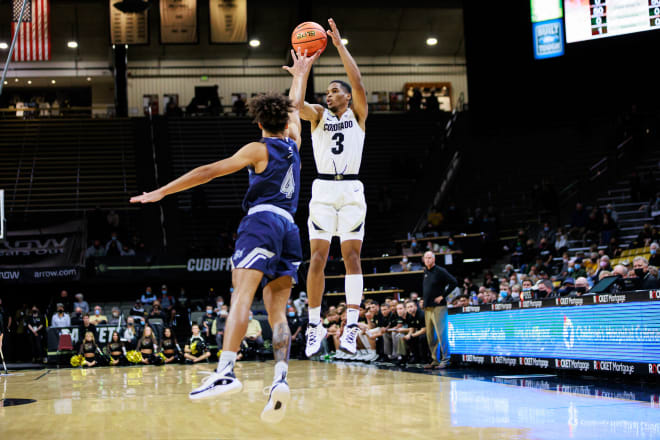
x=33 y=42
x=127 y=28
x=52 y=253
x=178 y=21
x=228 y=21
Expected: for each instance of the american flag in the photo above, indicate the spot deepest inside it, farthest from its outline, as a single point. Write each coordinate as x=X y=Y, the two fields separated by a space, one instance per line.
x=34 y=39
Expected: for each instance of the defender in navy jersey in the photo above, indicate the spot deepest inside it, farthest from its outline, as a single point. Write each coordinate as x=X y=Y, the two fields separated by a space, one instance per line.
x=268 y=249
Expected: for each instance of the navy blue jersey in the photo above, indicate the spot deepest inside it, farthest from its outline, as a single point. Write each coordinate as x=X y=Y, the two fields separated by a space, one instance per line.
x=279 y=183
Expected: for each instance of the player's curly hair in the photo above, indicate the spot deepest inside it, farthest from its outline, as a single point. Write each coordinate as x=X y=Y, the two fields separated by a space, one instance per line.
x=271 y=110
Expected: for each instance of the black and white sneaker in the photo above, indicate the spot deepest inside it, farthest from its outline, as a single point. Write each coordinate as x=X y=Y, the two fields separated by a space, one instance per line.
x=278 y=397
x=315 y=335
x=348 y=340
x=224 y=383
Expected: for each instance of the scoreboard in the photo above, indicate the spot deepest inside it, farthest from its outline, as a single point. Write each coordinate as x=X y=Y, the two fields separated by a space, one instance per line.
x=593 y=19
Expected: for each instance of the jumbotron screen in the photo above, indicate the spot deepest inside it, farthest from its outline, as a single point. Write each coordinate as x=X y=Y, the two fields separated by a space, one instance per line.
x=593 y=19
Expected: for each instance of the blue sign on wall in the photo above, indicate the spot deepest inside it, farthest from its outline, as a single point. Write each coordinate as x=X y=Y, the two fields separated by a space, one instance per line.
x=548 y=39
x=628 y=332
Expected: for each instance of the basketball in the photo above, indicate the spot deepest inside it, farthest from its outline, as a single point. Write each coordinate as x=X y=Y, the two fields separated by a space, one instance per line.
x=309 y=36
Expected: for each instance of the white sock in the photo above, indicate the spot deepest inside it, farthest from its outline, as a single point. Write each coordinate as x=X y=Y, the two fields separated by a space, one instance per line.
x=226 y=361
x=315 y=315
x=353 y=285
x=281 y=370
x=352 y=316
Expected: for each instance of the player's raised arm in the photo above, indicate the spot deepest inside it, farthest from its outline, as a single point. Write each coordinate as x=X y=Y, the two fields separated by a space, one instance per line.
x=250 y=154
x=359 y=95
x=302 y=64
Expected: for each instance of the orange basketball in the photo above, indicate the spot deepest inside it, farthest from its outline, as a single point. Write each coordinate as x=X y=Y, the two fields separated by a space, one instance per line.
x=310 y=36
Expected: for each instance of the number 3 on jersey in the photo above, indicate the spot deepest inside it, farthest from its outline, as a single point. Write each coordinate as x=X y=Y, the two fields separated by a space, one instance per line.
x=339 y=139
x=288 y=184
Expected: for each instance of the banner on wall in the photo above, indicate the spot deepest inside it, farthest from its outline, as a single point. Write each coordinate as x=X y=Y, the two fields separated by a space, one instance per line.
x=45 y=254
x=128 y=28
x=178 y=21
x=228 y=21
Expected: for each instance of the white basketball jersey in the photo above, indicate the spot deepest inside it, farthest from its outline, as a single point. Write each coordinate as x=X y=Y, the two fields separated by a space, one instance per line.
x=338 y=143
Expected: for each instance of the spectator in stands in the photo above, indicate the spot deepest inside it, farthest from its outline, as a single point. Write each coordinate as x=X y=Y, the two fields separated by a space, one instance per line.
x=60 y=318
x=115 y=316
x=137 y=311
x=575 y=268
x=148 y=345
x=207 y=323
x=546 y=233
x=546 y=252
x=36 y=324
x=654 y=260
x=603 y=266
x=126 y=251
x=166 y=300
x=490 y=280
x=545 y=289
x=80 y=302
x=404 y=264
x=578 y=222
x=66 y=301
x=130 y=334
x=608 y=229
x=397 y=329
x=504 y=293
x=561 y=240
x=645 y=236
x=581 y=287
x=219 y=303
x=148 y=296
x=566 y=287
x=645 y=281
x=98 y=317
x=620 y=270
x=253 y=333
x=297 y=329
x=604 y=274
x=196 y=349
x=515 y=292
x=113 y=246
x=95 y=250
x=438 y=283
x=77 y=317
x=157 y=312
x=301 y=304
x=239 y=108
x=87 y=326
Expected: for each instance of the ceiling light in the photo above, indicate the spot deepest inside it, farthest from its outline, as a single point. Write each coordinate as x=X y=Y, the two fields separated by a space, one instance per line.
x=52 y=81
x=3 y=45
x=6 y=82
x=15 y=80
x=29 y=81
x=255 y=43
x=344 y=41
x=89 y=78
x=431 y=41
x=72 y=44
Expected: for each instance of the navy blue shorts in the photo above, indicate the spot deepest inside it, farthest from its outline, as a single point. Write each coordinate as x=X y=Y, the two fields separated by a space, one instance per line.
x=269 y=243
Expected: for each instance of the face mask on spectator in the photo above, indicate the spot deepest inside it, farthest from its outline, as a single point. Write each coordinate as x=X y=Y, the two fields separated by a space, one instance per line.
x=164 y=292
x=115 y=315
x=577 y=266
x=60 y=310
x=603 y=264
x=515 y=295
x=503 y=293
x=653 y=251
x=223 y=313
x=220 y=304
x=581 y=289
x=639 y=272
x=570 y=269
x=97 y=312
x=250 y=318
x=209 y=311
x=114 y=238
x=451 y=242
x=546 y=229
x=291 y=314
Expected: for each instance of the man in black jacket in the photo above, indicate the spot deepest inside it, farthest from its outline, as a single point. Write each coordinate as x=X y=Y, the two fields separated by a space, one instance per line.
x=438 y=283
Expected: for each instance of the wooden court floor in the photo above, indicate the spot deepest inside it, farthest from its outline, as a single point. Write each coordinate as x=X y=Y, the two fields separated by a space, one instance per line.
x=329 y=401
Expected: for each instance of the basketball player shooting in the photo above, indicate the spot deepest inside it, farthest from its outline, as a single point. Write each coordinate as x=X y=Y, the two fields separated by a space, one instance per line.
x=268 y=249
x=338 y=207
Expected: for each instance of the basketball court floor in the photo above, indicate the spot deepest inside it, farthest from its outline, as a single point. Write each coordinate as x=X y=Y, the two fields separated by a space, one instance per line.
x=329 y=401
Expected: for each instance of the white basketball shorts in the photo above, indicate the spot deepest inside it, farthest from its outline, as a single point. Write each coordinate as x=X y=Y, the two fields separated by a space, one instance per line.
x=337 y=208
